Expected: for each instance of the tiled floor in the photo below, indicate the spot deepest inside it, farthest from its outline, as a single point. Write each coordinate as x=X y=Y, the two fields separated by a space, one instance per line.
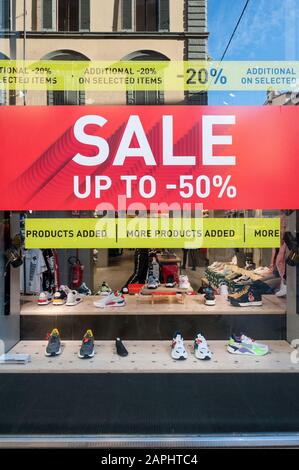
x=150 y=356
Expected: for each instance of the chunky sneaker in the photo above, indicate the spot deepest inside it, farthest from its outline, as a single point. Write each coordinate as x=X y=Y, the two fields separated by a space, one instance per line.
x=152 y=282
x=184 y=282
x=209 y=297
x=247 y=297
x=87 y=346
x=201 y=349
x=73 y=298
x=54 y=344
x=84 y=290
x=244 y=345
x=120 y=348
x=178 y=350
x=115 y=299
x=45 y=298
x=59 y=297
x=104 y=289
x=170 y=282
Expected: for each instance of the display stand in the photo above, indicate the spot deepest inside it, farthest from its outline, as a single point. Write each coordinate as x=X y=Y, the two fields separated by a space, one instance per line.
x=166 y=292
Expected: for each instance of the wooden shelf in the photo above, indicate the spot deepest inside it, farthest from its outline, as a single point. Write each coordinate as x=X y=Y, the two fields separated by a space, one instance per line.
x=149 y=357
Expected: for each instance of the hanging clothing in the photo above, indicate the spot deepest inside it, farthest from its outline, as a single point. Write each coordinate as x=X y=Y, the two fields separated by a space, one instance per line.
x=32 y=270
x=49 y=274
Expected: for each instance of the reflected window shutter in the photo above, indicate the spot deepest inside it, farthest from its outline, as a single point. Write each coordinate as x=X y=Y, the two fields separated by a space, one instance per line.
x=49 y=14
x=4 y=14
x=81 y=98
x=131 y=99
x=164 y=15
x=84 y=15
x=50 y=98
x=127 y=23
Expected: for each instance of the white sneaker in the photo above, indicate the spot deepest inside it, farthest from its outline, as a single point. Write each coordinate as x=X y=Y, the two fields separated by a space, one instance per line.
x=45 y=298
x=178 y=350
x=201 y=349
x=184 y=282
x=282 y=292
x=115 y=299
x=73 y=298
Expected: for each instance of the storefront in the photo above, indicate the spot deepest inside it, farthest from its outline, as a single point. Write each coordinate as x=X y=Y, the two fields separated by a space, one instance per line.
x=148 y=248
x=151 y=322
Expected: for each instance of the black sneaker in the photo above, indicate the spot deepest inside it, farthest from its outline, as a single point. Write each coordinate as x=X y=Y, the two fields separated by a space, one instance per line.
x=120 y=348
x=87 y=346
x=209 y=297
x=170 y=282
x=54 y=344
x=247 y=297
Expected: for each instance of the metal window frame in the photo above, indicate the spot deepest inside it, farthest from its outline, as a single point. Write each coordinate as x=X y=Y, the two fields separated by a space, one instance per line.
x=270 y=440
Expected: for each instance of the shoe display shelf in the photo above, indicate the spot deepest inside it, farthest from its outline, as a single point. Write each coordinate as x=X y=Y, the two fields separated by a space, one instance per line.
x=139 y=319
x=149 y=357
x=244 y=272
x=165 y=292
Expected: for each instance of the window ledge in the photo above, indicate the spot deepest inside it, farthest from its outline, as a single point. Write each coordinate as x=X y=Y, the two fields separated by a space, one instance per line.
x=108 y=34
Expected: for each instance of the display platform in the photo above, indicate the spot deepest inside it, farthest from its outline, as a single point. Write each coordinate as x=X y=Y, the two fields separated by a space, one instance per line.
x=149 y=357
x=139 y=320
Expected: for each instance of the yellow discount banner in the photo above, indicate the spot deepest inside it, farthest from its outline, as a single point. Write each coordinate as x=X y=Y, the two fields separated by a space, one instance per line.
x=152 y=232
x=147 y=75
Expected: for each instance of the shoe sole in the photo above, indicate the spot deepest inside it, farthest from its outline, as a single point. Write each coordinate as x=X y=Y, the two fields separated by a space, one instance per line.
x=210 y=303
x=88 y=356
x=181 y=358
x=76 y=303
x=43 y=303
x=106 y=306
x=246 y=304
x=233 y=351
x=53 y=354
x=206 y=358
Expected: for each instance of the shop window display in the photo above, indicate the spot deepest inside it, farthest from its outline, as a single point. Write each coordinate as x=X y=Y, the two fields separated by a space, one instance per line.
x=246 y=287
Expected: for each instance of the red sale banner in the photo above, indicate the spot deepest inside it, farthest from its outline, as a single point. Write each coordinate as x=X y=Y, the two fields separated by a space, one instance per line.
x=72 y=157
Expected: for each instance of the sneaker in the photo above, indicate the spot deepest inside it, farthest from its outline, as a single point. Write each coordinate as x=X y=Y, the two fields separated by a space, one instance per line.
x=84 y=290
x=60 y=297
x=87 y=346
x=152 y=282
x=120 y=348
x=247 y=297
x=184 y=282
x=244 y=345
x=263 y=271
x=201 y=349
x=115 y=299
x=209 y=297
x=73 y=298
x=170 y=282
x=54 y=344
x=244 y=280
x=282 y=292
x=178 y=350
x=104 y=289
x=45 y=298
